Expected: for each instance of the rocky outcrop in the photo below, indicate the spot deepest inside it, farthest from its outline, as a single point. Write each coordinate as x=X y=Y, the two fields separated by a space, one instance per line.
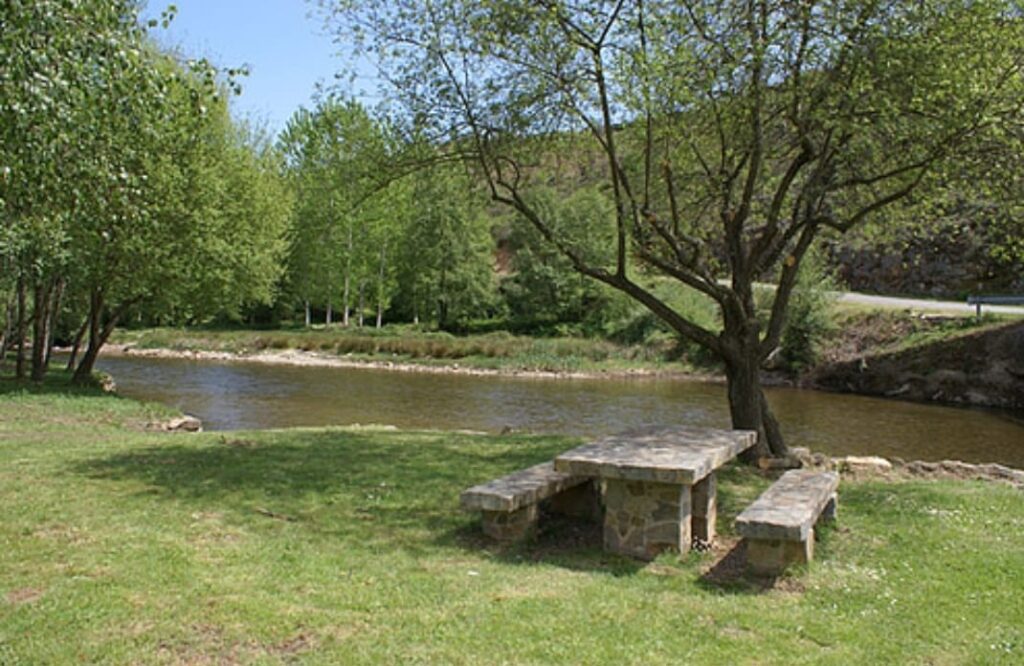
x=985 y=368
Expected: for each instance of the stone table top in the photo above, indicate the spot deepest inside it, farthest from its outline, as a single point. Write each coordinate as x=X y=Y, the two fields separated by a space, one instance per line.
x=681 y=454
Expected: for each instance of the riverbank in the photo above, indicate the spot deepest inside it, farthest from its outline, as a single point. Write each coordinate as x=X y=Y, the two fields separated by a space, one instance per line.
x=406 y=349
x=311 y=358
x=327 y=545
x=923 y=358
x=942 y=361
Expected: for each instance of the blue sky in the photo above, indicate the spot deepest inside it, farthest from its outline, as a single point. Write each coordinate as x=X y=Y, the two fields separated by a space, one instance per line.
x=282 y=41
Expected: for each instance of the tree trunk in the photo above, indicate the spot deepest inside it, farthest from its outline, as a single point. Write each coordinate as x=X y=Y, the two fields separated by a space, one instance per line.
x=361 y=304
x=5 y=335
x=51 y=326
x=40 y=317
x=330 y=313
x=442 y=314
x=308 y=315
x=99 y=333
x=83 y=373
x=748 y=407
x=21 y=329
x=348 y=277
x=76 y=344
x=380 y=285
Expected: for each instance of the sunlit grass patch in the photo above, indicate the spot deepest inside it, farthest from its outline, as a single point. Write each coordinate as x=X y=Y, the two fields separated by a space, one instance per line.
x=335 y=545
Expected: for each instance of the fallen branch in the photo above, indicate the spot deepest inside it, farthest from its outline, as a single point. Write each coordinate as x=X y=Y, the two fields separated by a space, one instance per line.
x=276 y=516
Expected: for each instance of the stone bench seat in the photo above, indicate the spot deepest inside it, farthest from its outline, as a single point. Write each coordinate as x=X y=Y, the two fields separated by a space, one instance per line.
x=779 y=525
x=510 y=504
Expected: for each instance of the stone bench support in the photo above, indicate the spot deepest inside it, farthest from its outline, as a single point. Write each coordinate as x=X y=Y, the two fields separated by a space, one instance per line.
x=779 y=525
x=510 y=526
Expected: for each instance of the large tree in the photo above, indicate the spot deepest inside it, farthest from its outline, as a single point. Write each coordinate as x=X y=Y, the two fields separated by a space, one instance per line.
x=730 y=134
x=124 y=184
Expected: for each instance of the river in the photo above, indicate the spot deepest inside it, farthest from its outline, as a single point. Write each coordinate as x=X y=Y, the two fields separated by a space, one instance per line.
x=240 y=395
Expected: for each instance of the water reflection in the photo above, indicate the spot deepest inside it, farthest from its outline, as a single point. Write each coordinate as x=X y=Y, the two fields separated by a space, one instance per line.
x=248 y=395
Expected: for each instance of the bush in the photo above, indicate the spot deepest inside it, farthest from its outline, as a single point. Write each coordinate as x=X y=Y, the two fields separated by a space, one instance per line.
x=811 y=318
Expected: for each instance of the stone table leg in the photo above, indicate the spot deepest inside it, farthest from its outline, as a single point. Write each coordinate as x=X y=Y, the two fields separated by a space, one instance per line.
x=705 y=508
x=644 y=518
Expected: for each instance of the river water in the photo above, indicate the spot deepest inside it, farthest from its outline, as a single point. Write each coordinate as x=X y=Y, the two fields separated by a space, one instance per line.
x=239 y=395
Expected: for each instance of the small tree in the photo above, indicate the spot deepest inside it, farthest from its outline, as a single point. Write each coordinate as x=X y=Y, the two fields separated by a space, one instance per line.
x=332 y=152
x=729 y=133
x=444 y=251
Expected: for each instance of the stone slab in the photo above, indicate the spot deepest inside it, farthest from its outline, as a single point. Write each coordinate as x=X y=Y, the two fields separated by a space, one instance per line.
x=682 y=454
x=789 y=508
x=523 y=488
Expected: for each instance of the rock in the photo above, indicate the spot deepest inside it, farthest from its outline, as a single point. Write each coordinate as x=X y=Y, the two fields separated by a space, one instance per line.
x=903 y=390
x=811 y=459
x=864 y=464
x=801 y=452
x=790 y=461
x=106 y=382
x=183 y=423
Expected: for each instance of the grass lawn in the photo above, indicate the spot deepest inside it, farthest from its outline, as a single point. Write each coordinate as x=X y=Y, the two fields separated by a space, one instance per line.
x=346 y=546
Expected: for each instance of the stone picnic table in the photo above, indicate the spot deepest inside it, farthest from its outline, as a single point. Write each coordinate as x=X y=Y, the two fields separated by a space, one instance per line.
x=659 y=484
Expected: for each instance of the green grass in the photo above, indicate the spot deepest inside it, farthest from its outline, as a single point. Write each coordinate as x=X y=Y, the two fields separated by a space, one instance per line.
x=122 y=546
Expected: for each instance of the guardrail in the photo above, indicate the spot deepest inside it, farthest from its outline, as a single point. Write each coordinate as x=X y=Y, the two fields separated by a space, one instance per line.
x=978 y=301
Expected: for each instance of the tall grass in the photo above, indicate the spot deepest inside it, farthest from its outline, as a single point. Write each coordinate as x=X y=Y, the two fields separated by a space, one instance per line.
x=405 y=343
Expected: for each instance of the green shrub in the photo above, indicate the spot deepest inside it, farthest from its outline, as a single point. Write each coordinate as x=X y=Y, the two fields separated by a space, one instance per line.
x=811 y=317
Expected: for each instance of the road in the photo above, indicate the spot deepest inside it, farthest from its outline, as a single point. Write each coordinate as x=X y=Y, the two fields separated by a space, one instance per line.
x=924 y=305
x=919 y=304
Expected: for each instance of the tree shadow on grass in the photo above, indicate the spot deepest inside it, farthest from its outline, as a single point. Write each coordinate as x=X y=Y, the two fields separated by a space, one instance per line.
x=357 y=490
x=728 y=574
x=56 y=382
x=569 y=543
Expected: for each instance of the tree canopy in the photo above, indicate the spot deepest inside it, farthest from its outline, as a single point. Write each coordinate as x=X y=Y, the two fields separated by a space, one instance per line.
x=124 y=183
x=732 y=134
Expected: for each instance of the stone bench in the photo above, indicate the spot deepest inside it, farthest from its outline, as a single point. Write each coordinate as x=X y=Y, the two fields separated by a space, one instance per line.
x=510 y=505
x=779 y=525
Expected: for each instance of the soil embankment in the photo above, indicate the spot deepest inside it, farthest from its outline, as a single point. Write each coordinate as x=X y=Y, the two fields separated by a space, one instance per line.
x=984 y=367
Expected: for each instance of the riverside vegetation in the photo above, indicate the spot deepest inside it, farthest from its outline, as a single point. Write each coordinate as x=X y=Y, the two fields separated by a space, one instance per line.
x=130 y=196
x=821 y=337
x=605 y=158
x=332 y=544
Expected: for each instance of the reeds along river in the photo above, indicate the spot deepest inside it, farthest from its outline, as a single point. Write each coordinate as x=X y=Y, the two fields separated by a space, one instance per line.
x=239 y=395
